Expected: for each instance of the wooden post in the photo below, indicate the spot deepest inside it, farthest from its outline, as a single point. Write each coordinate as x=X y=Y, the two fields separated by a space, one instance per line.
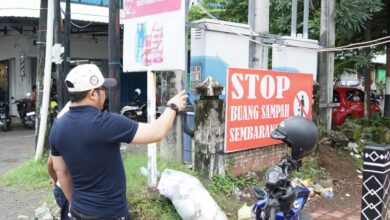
x=367 y=77
x=387 y=88
x=62 y=91
x=326 y=63
x=58 y=37
x=114 y=67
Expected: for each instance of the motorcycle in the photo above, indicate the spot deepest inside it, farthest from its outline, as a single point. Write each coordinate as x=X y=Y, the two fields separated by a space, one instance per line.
x=53 y=108
x=5 y=118
x=134 y=110
x=281 y=199
x=26 y=111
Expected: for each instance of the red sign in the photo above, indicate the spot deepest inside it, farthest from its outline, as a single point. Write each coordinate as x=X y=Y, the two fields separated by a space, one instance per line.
x=140 y=8
x=258 y=100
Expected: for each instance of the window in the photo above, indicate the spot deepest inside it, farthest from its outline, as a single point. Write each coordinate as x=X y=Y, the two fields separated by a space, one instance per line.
x=354 y=95
x=336 y=97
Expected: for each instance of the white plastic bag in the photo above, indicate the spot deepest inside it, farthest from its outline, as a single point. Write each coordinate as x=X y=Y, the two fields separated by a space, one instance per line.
x=190 y=198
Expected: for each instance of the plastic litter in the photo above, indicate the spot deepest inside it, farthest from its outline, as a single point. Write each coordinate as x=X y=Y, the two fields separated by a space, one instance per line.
x=318 y=188
x=190 y=198
x=245 y=213
x=307 y=182
x=327 y=194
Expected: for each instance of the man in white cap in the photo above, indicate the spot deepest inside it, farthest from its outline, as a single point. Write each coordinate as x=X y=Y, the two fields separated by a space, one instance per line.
x=85 y=145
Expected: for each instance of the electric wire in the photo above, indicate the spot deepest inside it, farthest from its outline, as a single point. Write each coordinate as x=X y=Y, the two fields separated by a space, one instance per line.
x=354 y=46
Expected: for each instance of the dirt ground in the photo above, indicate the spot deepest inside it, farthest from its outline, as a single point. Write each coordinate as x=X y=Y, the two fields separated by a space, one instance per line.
x=347 y=184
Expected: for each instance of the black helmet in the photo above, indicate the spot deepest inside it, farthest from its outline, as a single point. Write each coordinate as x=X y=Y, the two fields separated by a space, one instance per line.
x=299 y=133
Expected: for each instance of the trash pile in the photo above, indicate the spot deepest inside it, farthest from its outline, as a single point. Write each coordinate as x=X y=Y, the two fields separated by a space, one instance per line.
x=324 y=188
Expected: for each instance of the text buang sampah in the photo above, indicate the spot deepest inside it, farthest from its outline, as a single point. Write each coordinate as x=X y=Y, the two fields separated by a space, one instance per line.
x=252 y=112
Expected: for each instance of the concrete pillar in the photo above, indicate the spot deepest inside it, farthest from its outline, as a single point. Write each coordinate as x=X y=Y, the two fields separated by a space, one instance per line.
x=376 y=182
x=171 y=147
x=209 y=129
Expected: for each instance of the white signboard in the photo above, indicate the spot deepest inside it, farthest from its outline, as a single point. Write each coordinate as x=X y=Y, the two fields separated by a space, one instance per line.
x=154 y=35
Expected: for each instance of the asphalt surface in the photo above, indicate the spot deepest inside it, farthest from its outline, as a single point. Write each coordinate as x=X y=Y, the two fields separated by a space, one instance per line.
x=16 y=145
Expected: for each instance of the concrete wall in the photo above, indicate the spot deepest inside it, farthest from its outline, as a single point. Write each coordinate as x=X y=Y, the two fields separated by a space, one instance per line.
x=13 y=45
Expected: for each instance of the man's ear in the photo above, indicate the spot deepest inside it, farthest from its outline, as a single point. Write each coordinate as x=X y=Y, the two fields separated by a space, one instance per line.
x=92 y=94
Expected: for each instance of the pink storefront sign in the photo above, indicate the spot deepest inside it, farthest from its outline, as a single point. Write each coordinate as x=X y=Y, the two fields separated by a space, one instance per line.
x=140 y=8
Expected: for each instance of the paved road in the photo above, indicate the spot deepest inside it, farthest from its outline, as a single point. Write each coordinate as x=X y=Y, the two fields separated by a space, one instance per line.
x=16 y=146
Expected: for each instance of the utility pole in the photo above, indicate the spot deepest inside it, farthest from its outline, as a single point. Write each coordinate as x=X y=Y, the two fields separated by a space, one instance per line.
x=326 y=63
x=46 y=82
x=114 y=55
x=41 y=44
x=386 y=110
x=58 y=37
x=258 y=19
x=63 y=96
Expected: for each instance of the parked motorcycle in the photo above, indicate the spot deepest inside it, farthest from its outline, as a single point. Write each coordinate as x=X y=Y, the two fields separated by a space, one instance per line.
x=53 y=108
x=26 y=111
x=134 y=110
x=280 y=199
x=5 y=119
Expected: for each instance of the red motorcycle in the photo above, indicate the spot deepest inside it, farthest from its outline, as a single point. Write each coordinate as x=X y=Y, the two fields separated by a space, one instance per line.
x=26 y=111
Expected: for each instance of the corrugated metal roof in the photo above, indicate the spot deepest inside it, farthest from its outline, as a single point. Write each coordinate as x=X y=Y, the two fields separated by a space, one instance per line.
x=81 y=12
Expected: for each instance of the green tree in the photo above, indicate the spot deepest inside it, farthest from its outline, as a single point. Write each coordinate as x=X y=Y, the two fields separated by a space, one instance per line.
x=351 y=17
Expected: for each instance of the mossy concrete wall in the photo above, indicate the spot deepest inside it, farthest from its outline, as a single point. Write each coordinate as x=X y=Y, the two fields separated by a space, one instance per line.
x=209 y=137
x=210 y=157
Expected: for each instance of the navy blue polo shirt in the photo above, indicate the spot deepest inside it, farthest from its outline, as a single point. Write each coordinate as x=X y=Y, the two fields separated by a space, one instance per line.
x=89 y=142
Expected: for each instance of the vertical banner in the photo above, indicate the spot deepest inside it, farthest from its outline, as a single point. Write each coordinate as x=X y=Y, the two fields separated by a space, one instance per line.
x=154 y=35
x=258 y=100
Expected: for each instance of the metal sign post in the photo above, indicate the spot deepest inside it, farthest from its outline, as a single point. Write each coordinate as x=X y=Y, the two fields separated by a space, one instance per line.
x=152 y=164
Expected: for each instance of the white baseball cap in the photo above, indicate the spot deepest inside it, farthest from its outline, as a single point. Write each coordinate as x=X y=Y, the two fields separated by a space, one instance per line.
x=86 y=77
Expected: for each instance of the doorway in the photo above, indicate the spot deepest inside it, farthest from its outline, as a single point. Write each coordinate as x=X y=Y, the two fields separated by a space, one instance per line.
x=4 y=81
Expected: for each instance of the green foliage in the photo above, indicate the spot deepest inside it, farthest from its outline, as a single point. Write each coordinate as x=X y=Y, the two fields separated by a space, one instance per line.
x=311 y=170
x=226 y=184
x=352 y=15
x=31 y=174
x=143 y=206
x=225 y=10
x=222 y=184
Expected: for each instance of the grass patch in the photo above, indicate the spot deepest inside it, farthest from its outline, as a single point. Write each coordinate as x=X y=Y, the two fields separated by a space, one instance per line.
x=34 y=175
x=143 y=206
x=31 y=174
x=220 y=188
x=311 y=170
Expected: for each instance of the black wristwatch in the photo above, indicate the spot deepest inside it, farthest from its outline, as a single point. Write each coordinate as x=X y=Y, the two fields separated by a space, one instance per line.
x=174 y=107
